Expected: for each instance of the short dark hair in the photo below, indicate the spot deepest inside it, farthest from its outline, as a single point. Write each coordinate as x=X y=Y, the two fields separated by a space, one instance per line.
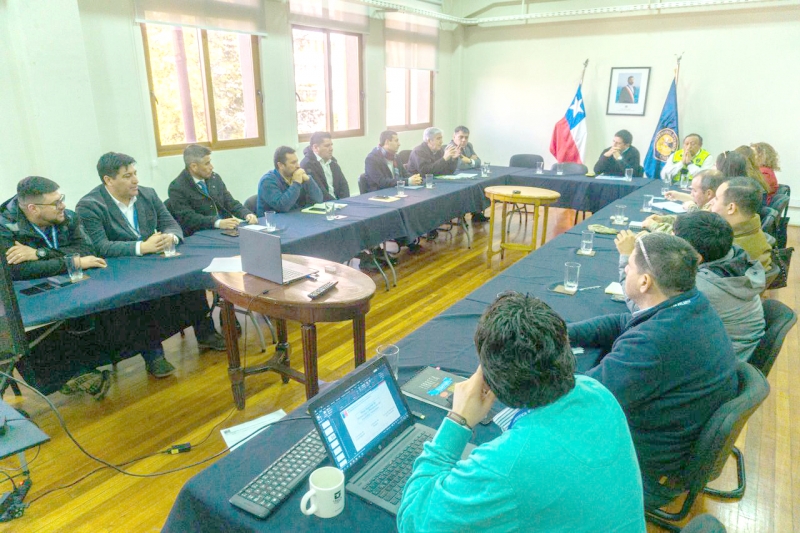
x=710 y=179
x=194 y=153
x=673 y=261
x=110 y=163
x=746 y=193
x=707 y=232
x=318 y=137
x=462 y=129
x=280 y=155
x=386 y=136
x=699 y=138
x=524 y=351
x=33 y=187
x=625 y=135
x=731 y=164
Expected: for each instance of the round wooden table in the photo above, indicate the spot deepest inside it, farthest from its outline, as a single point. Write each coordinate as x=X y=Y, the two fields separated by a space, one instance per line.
x=349 y=300
x=514 y=194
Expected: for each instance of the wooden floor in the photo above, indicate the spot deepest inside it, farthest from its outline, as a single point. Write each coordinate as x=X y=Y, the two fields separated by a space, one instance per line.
x=142 y=415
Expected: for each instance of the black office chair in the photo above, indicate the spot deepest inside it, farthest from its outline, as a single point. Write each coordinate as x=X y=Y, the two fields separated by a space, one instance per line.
x=363 y=187
x=769 y=220
x=571 y=168
x=525 y=160
x=250 y=204
x=780 y=320
x=715 y=444
x=784 y=189
x=780 y=203
x=402 y=157
x=704 y=523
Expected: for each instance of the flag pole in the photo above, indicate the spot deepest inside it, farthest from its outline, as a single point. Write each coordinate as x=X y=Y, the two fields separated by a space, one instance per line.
x=677 y=67
x=585 y=64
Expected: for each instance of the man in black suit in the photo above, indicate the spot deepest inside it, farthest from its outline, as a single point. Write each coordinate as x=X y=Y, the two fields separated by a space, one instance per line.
x=123 y=219
x=382 y=170
x=619 y=156
x=323 y=168
x=198 y=198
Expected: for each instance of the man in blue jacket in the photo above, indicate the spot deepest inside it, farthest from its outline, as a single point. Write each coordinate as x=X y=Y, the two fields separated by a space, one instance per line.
x=670 y=365
x=287 y=186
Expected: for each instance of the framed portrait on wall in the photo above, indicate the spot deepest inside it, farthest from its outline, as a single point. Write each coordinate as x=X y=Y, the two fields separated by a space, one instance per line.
x=627 y=91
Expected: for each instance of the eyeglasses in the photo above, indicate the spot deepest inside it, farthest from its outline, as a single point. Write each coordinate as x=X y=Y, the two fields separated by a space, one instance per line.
x=57 y=203
x=640 y=241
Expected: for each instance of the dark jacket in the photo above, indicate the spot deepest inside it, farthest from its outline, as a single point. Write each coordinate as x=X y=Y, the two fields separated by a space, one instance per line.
x=611 y=167
x=670 y=368
x=108 y=228
x=71 y=237
x=378 y=174
x=467 y=151
x=314 y=169
x=424 y=161
x=277 y=195
x=195 y=210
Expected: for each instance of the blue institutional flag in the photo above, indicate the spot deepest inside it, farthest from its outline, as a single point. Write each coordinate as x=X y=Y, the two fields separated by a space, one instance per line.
x=665 y=139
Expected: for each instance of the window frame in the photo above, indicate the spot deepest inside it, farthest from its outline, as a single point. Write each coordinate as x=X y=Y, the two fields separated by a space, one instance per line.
x=305 y=137
x=214 y=144
x=408 y=126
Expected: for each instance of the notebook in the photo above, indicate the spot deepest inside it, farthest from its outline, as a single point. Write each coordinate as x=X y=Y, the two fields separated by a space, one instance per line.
x=368 y=430
x=261 y=256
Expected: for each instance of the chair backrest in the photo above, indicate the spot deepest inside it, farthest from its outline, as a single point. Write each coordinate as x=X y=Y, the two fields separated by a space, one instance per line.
x=250 y=204
x=780 y=320
x=525 y=160
x=784 y=189
x=780 y=203
x=572 y=168
x=719 y=434
x=362 y=184
x=402 y=156
x=769 y=220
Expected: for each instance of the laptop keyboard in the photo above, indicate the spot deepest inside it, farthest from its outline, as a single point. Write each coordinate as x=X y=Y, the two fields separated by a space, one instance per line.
x=288 y=273
x=388 y=484
x=275 y=484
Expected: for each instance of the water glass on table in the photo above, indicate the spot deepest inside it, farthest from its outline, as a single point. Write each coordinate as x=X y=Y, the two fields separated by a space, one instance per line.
x=169 y=249
x=559 y=169
x=619 y=218
x=647 y=206
x=401 y=188
x=392 y=355
x=330 y=210
x=587 y=242
x=628 y=174
x=74 y=268
x=539 y=167
x=429 y=181
x=269 y=221
x=571 y=273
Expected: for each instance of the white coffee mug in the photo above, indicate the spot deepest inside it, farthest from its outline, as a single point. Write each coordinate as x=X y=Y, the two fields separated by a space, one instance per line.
x=327 y=493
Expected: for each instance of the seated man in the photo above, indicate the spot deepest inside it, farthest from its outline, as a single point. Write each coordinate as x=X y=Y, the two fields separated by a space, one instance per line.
x=670 y=365
x=688 y=161
x=468 y=158
x=124 y=219
x=323 y=168
x=547 y=472
x=287 y=186
x=704 y=186
x=381 y=168
x=37 y=232
x=738 y=201
x=430 y=158
x=619 y=156
x=198 y=198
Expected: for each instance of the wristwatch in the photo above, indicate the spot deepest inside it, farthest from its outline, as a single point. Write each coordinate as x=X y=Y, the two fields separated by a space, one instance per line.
x=458 y=419
x=41 y=253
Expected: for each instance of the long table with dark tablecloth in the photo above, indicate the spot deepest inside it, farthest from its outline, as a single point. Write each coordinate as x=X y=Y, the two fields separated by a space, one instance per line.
x=445 y=341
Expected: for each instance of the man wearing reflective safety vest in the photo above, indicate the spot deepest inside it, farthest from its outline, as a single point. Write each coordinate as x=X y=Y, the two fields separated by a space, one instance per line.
x=688 y=161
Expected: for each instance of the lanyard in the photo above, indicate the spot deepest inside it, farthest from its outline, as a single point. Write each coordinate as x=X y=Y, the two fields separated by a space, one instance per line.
x=520 y=414
x=135 y=222
x=53 y=234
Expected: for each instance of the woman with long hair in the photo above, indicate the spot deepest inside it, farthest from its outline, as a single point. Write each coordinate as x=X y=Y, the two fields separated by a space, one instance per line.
x=767 y=161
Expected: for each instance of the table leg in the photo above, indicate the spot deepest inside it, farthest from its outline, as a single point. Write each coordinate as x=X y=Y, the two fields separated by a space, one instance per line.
x=503 y=231
x=360 y=339
x=283 y=346
x=235 y=371
x=535 y=225
x=544 y=223
x=491 y=234
x=309 y=333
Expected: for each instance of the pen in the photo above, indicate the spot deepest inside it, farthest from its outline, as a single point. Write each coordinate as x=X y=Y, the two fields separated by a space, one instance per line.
x=587 y=288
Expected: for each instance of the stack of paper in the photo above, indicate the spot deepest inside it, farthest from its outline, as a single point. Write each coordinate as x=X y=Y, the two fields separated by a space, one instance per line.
x=237 y=435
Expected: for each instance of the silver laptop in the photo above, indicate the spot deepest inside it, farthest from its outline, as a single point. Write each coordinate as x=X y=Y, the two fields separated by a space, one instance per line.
x=261 y=256
x=368 y=430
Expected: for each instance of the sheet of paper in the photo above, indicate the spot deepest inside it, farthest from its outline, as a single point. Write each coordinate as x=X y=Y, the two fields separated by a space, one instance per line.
x=455 y=176
x=322 y=206
x=237 y=435
x=610 y=178
x=415 y=187
x=225 y=264
x=614 y=288
x=466 y=175
x=384 y=198
x=672 y=207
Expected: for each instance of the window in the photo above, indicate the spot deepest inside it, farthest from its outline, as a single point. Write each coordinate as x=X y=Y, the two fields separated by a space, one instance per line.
x=205 y=88
x=409 y=98
x=327 y=76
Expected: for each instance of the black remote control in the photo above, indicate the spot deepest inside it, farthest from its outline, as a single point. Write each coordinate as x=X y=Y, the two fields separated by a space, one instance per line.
x=322 y=289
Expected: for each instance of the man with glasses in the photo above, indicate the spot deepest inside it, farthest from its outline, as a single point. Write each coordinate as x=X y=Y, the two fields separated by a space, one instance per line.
x=37 y=232
x=670 y=364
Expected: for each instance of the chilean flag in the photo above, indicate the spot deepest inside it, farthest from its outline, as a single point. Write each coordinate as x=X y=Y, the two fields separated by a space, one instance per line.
x=569 y=136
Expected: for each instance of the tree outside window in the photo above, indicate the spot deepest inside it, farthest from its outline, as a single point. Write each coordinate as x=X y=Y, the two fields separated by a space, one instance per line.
x=205 y=88
x=409 y=98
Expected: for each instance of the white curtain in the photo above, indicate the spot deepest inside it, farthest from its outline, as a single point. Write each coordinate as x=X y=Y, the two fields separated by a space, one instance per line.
x=338 y=15
x=242 y=16
x=411 y=41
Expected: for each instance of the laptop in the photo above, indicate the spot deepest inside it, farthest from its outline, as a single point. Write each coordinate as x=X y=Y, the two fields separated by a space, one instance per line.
x=368 y=430
x=261 y=256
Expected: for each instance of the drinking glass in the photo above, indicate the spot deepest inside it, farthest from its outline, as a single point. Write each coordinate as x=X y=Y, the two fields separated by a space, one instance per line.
x=269 y=221
x=392 y=355
x=587 y=241
x=628 y=174
x=429 y=181
x=619 y=218
x=539 y=167
x=74 y=268
x=647 y=206
x=401 y=188
x=571 y=272
x=169 y=250
x=559 y=169
x=330 y=210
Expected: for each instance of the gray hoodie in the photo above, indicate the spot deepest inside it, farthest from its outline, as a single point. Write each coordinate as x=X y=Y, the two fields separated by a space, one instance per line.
x=733 y=284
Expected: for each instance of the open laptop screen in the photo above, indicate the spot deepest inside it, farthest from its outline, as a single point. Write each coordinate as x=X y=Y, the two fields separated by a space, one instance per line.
x=356 y=417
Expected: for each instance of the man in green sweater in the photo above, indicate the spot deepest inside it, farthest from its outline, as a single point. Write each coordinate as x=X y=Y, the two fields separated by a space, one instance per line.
x=566 y=463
